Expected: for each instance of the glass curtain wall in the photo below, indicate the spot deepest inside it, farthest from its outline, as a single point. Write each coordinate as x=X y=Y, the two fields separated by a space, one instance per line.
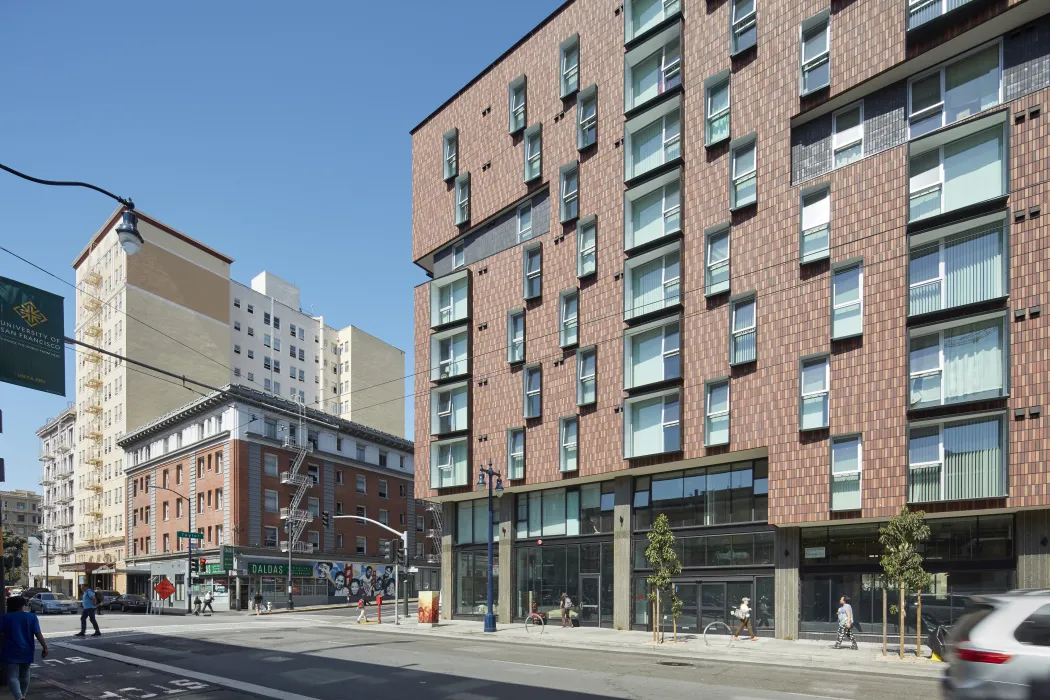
x=543 y=573
x=720 y=495
x=472 y=582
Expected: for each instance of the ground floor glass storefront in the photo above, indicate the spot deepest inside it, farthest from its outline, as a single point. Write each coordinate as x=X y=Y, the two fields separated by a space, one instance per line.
x=472 y=582
x=582 y=571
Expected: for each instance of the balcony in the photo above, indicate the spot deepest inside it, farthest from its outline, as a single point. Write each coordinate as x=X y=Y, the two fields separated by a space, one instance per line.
x=434 y=507
x=93 y=383
x=93 y=435
x=300 y=547
x=91 y=304
x=291 y=443
x=93 y=278
x=61 y=474
x=95 y=331
x=958 y=363
x=95 y=486
x=94 y=510
x=46 y=481
x=433 y=558
x=923 y=12
x=652 y=283
x=93 y=408
x=296 y=515
x=296 y=479
x=433 y=533
x=94 y=460
x=93 y=357
x=64 y=500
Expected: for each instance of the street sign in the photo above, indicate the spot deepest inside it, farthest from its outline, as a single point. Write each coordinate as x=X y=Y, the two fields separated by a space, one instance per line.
x=190 y=535
x=164 y=589
x=32 y=339
x=413 y=569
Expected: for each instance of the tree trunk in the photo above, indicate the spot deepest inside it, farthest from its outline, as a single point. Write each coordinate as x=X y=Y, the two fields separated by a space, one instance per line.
x=884 y=612
x=659 y=618
x=918 y=624
x=674 y=625
x=900 y=610
x=653 y=594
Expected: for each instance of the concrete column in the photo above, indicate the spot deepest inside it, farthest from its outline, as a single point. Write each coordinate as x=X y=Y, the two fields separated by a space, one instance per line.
x=448 y=522
x=505 y=611
x=1032 y=542
x=786 y=581
x=623 y=566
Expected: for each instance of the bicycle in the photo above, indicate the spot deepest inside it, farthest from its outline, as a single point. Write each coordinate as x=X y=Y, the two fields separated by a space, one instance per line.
x=535 y=620
x=717 y=629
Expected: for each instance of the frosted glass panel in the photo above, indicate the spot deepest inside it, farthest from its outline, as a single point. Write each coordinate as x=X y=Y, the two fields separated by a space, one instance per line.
x=647 y=147
x=647 y=427
x=647 y=213
x=973 y=169
x=646 y=356
x=974 y=267
x=973 y=460
x=973 y=361
x=554 y=512
x=718 y=430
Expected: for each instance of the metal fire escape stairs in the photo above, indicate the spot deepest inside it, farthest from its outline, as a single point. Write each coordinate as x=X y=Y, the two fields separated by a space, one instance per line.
x=296 y=518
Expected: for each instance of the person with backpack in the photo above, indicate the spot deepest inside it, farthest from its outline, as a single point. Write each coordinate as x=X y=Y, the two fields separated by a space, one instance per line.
x=19 y=628
x=566 y=606
x=743 y=613
x=845 y=623
x=197 y=606
x=89 y=602
x=258 y=603
x=208 y=598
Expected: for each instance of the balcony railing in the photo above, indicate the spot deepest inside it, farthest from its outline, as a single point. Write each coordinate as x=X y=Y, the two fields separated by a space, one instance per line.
x=295 y=514
x=922 y=11
x=845 y=491
x=300 y=547
x=297 y=479
x=924 y=297
x=433 y=533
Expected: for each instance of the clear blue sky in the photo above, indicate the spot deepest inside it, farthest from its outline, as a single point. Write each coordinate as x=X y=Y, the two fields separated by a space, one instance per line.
x=275 y=131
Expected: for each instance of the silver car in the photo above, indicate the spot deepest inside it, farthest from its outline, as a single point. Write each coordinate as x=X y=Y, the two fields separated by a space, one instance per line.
x=53 y=603
x=1000 y=650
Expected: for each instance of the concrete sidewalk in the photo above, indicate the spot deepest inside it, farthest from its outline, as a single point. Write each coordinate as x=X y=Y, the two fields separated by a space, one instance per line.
x=776 y=652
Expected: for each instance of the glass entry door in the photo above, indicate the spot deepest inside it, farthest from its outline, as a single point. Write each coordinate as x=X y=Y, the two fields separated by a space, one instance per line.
x=712 y=603
x=690 y=617
x=590 y=600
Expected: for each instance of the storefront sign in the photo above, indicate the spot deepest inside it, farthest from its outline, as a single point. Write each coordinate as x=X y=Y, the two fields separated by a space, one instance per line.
x=214 y=568
x=226 y=554
x=815 y=553
x=280 y=570
x=32 y=339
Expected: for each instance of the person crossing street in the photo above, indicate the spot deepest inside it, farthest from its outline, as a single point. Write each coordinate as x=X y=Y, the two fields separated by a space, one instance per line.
x=208 y=598
x=89 y=602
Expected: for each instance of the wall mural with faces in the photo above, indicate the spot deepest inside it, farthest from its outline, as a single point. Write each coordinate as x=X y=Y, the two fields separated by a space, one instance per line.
x=354 y=582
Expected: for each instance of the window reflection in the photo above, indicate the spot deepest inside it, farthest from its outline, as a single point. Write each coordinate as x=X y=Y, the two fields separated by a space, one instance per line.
x=737 y=493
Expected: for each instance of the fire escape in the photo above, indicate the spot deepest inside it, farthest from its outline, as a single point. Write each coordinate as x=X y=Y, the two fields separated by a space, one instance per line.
x=432 y=553
x=295 y=518
x=91 y=332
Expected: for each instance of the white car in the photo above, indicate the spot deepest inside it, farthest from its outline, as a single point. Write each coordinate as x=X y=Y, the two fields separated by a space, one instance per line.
x=53 y=603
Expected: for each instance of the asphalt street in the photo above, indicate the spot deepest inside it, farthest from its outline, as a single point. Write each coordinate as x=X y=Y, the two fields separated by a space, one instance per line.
x=316 y=656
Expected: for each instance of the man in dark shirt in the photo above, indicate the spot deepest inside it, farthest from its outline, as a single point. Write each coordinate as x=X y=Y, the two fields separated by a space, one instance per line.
x=19 y=628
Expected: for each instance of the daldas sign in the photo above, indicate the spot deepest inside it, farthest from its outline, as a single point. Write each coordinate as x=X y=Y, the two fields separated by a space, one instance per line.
x=31 y=338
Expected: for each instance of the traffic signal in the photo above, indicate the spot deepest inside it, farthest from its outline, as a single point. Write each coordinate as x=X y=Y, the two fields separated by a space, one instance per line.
x=326 y=518
x=204 y=564
x=402 y=554
x=195 y=566
x=386 y=551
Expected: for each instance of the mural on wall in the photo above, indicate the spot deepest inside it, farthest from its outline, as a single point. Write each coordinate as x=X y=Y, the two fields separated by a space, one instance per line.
x=356 y=581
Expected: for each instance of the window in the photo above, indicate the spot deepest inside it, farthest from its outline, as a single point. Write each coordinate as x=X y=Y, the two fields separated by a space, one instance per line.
x=236 y=325
x=742 y=340
x=653 y=139
x=816 y=217
x=516 y=98
x=959 y=362
x=516 y=336
x=384 y=516
x=569 y=177
x=958 y=265
x=251 y=354
x=458 y=257
x=360 y=453
x=237 y=349
x=1035 y=629
x=586 y=369
x=532 y=388
x=716 y=412
x=954 y=91
x=533 y=152
x=716 y=278
x=652 y=210
x=525 y=221
x=236 y=371
x=516 y=453
x=947 y=175
x=448 y=300
x=450 y=147
x=314 y=538
x=642 y=15
x=652 y=281
x=743 y=187
x=957 y=460
x=276 y=322
x=339 y=476
x=266 y=317
x=462 y=199
x=847 y=292
x=533 y=272
x=569 y=327
x=814 y=57
x=361 y=512
x=270 y=537
x=652 y=425
x=473 y=524
x=448 y=354
x=360 y=483
x=848 y=140
x=448 y=463
x=814 y=383
x=266 y=339
x=567 y=459
x=251 y=309
x=448 y=409
x=587 y=117
x=338 y=507
x=652 y=354
x=218 y=499
x=716 y=123
x=251 y=331
x=270 y=501
x=586 y=245
x=744 y=29
x=570 y=65
x=653 y=68
x=845 y=472
x=362 y=545
x=313 y=505
x=383 y=488
x=237 y=302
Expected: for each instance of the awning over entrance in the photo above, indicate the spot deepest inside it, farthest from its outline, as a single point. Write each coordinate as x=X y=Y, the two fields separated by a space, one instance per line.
x=82 y=567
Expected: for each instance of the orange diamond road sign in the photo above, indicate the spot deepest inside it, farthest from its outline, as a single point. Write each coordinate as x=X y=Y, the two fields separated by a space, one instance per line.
x=164 y=589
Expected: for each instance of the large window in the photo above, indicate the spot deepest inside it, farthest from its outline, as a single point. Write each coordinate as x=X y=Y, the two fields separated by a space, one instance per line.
x=586 y=245
x=716 y=412
x=743 y=188
x=584 y=510
x=533 y=152
x=717 y=115
x=744 y=29
x=957 y=90
x=568 y=429
x=849 y=134
x=471 y=520
x=472 y=583
x=847 y=298
x=652 y=210
x=743 y=331
x=653 y=139
x=544 y=573
x=516 y=336
x=957 y=460
x=815 y=239
x=845 y=472
x=516 y=100
x=652 y=354
x=516 y=453
x=716 y=270
x=814 y=386
x=586 y=372
x=652 y=281
x=814 y=45
x=653 y=68
x=532 y=390
x=448 y=409
x=719 y=495
x=569 y=331
x=587 y=117
x=569 y=205
x=642 y=15
x=448 y=463
x=448 y=354
x=570 y=65
x=652 y=425
x=448 y=300
x=450 y=148
x=533 y=272
x=959 y=265
x=950 y=363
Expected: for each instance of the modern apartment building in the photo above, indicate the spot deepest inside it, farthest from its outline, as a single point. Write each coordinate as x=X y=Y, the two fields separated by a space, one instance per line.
x=57 y=536
x=22 y=512
x=771 y=269
x=229 y=465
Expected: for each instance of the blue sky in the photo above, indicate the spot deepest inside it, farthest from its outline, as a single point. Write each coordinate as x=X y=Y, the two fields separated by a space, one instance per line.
x=276 y=132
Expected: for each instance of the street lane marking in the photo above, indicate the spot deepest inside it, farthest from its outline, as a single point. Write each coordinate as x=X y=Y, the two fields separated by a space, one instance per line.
x=518 y=663
x=230 y=683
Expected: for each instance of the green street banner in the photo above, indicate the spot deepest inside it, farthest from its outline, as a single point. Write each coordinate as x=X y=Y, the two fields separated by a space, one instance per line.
x=31 y=338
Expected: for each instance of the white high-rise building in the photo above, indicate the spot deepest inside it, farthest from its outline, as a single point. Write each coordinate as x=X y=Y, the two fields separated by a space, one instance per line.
x=57 y=453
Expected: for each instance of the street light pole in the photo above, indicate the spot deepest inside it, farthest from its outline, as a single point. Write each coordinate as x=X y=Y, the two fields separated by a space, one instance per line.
x=494 y=480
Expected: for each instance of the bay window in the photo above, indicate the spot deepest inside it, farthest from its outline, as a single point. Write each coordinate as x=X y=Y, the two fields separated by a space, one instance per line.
x=462 y=199
x=716 y=412
x=716 y=274
x=814 y=56
x=742 y=324
x=570 y=65
x=814 y=385
x=569 y=205
x=743 y=185
x=450 y=148
x=744 y=29
x=846 y=460
x=815 y=234
x=652 y=281
x=516 y=101
x=567 y=460
x=448 y=409
x=448 y=353
x=587 y=117
x=569 y=333
x=586 y=371
x=516 y=453
x=448 y=463
x=847 y=301
x=848 y=138
x=652 y=354
x=586 y=245
x=448 y=299
x=955 y=362
x=533 y=152
x=652 y=425
x=532 y=386
x=642 y=15
x=958 y=265
x=516 y=336
x=653 y=139
x=957 y=460
x=652 y=210
x=716 y=98
x=653 y=67
x=956 y=90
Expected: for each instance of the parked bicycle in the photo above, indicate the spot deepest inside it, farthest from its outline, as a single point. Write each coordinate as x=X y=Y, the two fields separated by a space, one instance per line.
x=534 y=620
x=717 y=632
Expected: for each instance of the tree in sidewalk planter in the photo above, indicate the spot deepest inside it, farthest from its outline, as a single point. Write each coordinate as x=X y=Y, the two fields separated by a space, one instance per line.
x=902 y=565
x=665 y=564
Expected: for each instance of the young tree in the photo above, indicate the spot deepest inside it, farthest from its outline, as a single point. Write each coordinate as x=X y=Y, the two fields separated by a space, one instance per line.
x=664 y=561
x=676 y=611
x=902 y=562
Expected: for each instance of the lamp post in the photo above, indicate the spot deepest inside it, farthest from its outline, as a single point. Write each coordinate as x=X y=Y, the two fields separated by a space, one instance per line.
x=495 y=481
x=189 y=543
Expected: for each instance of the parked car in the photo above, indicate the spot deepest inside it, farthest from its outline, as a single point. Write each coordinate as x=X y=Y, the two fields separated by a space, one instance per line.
x=53 y=603
x=106 y=597
x=1000 y=650
x=135 y=602
x=30 y=592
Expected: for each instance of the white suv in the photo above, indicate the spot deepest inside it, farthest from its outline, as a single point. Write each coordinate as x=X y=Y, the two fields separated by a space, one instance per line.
x=1000 y=650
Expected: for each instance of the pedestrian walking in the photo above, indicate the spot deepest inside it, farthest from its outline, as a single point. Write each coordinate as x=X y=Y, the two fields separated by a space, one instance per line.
x=845 y=623
x=258 y=603
x=362 y=611
x=566 y=606
x=19 y=628
x=743 y=613
x=89 y=605
x=197 y=606
x=208 y=598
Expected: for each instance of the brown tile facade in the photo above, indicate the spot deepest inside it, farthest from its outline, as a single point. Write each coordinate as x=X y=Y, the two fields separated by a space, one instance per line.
x=869 y=210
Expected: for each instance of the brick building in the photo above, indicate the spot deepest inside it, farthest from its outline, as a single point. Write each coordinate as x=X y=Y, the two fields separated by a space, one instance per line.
x=773 y=269
x=217 y=467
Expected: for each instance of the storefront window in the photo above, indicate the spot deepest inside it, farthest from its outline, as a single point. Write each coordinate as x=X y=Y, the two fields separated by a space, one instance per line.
x=472 y=583
x=641 y=601
x=587 y=510
x=470 y=521
x=544 y=573
x=764 y=604
x=745 y=549
x=719 y=495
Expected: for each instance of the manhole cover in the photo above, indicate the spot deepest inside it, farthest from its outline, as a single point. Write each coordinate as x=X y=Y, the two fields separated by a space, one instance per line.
x=673 y=663
x=271 y=638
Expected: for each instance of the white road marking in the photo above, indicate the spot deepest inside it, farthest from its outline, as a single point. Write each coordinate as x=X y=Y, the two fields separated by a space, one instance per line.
x=176 y=671
x=518 y=663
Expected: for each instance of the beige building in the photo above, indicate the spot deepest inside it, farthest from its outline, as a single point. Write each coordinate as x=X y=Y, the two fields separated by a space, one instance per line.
x=58 y=456
x=22 y=514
